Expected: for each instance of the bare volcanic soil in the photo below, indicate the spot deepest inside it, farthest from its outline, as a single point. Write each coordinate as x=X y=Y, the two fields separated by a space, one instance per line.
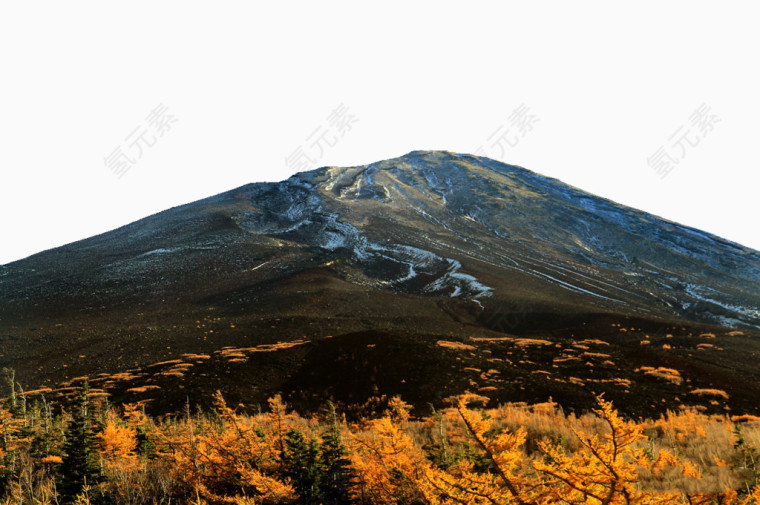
x=644 y=366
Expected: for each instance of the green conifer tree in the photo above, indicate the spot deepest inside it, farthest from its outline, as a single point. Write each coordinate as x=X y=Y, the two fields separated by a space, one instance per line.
x=302 y=463
x=80 y=465
x=337 y=469
x=338 y=476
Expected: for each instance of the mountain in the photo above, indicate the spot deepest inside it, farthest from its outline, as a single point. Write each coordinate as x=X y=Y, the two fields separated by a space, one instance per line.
x=423 y=275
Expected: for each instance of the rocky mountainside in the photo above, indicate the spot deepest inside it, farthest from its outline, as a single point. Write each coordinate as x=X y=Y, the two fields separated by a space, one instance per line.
x=422 y=275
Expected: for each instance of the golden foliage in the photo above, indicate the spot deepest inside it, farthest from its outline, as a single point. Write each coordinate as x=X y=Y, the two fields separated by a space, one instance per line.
x=117 y=440
x=514 y=454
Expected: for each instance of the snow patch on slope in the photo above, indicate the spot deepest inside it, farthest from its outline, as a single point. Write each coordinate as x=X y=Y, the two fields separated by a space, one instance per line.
x=448 y=277
x=159 y=251
x=457 y=281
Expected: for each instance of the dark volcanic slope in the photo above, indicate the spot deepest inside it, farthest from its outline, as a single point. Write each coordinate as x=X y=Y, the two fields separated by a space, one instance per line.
x=393 y=262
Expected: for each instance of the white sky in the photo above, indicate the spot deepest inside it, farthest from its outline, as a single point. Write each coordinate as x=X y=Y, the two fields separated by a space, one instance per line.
x=248 y=83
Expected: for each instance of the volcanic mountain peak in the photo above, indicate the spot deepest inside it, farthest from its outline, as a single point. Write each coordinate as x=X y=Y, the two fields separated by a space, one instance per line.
x=435 y=222
x=400 y=254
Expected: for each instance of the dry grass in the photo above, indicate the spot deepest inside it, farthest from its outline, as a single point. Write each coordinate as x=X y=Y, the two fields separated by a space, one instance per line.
x=232 y=355
x=143 y=389
x=746 y=418
x=123 y=376
x=626 y=383
x=196 y=357
x=39 y=391
x=241 y=352
x=565 y=359
x=710 y=392
x=522 y=342
x=593 y=341
x=164 y=363
x=599 y=355
x=492 y=339
x=459 y=346
x=668 y=374
x=172 y=373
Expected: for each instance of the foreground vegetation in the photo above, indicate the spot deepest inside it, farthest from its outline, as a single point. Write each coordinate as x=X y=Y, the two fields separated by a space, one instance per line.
x=92 y=452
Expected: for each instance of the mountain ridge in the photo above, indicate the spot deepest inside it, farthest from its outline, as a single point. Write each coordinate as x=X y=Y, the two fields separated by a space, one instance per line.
x=713 y=236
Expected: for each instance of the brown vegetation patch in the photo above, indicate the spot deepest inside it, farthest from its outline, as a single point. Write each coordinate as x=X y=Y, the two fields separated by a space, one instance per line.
x=522 y=342
x=595 y=355
x=565 y=359
x=618 y=381
x=172 y=373
x=39 y=391
x=492 y=339
x=710 y=392
x=164 y=363
x=123 y=376
x=746 y=418
x=459 y=346
x=669 y=374
x=143 y=389
x=576 y=381
x=196 y=357
x=593 y=341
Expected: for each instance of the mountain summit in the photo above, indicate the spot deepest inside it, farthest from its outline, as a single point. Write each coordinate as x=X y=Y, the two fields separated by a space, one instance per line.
x=392 y=276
